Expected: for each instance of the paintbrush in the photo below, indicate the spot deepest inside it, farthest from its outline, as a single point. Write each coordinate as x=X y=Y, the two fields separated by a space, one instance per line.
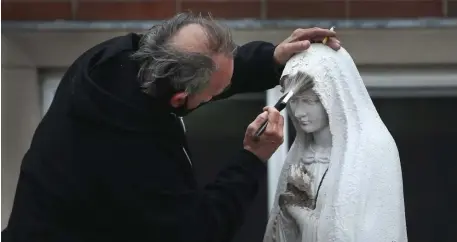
x=282 y=102
x=280 y=105
x=299 y=82
x=326 y=38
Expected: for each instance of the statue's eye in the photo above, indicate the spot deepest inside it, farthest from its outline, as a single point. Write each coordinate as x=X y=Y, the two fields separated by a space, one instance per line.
x=307 y=100
x=312 y=100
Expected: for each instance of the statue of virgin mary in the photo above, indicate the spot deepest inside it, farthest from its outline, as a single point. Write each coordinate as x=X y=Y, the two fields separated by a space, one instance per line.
x=342 y=180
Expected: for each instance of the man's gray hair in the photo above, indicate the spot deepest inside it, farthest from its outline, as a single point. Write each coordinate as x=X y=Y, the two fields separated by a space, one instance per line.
x=185 y=70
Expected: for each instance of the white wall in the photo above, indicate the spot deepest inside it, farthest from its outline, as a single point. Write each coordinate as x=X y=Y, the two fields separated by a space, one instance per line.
x=374 y=47
x=20 y=116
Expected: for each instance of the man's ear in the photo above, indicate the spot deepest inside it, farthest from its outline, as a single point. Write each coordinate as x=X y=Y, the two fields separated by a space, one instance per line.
x=178 y=99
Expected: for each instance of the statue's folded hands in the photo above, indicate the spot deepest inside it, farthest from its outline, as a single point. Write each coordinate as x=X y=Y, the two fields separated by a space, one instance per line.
x=303 y=216
x=299 y=177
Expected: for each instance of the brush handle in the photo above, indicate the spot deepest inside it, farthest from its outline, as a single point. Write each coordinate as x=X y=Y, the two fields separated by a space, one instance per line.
x=279 y=106
x=324 y=41
x=261 y=129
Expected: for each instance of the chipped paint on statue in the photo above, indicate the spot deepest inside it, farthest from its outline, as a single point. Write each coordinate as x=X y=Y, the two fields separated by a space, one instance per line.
x=341 y=180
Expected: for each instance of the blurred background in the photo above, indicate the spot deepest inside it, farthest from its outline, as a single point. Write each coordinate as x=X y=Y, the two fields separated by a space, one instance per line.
x=406 y=51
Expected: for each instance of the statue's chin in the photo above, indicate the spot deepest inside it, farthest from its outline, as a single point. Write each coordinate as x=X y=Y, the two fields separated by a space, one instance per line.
x=307 y=128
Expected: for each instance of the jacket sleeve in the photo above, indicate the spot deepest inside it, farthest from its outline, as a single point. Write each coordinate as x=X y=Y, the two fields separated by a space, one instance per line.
x=255 y=69
x=163 y=212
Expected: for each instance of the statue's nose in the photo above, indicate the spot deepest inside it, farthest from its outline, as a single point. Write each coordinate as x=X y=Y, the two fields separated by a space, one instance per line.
x=300 y=114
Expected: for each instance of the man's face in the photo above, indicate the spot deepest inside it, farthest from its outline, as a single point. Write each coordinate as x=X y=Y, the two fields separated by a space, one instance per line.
x=220 y=80
x=309 y=112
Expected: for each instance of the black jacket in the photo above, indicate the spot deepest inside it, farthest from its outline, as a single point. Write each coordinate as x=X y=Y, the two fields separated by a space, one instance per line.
x=108 y=162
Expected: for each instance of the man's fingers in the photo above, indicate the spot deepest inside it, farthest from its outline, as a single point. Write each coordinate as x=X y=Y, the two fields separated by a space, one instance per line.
x=255 y=125
x=313 y=33
x=266 y=108
x=270 y=130
x=334 y=43
x=281 y=125
x=260 y=119
x=275 y=124
x=281 y=120
x=273 y=115
x=296 y=47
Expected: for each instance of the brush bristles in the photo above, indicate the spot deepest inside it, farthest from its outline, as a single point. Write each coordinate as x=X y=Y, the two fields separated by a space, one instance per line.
x=297 y=83
x=288 y=96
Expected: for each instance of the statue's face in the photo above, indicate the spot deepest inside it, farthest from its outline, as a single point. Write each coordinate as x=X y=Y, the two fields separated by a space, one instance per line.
x=309 y=112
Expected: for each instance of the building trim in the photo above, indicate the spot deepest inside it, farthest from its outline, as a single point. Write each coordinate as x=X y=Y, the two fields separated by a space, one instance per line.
x=241 y=24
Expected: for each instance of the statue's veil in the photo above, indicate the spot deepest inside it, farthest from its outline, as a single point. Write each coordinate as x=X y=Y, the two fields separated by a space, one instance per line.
x=361 y=197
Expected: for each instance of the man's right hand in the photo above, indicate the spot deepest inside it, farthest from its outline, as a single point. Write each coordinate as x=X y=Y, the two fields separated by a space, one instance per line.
x=265 y=145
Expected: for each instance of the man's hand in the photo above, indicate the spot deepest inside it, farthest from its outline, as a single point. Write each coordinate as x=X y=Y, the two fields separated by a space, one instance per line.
x=300 y=40
x=265 y=145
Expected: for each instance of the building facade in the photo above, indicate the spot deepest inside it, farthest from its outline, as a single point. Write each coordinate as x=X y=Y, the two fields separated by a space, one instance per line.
x=405 y=51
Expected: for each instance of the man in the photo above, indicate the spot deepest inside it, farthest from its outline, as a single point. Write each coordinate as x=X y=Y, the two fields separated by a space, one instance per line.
x=109 y=161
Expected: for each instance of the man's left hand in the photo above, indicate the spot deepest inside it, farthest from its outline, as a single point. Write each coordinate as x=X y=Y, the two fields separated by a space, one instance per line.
x=300 y=40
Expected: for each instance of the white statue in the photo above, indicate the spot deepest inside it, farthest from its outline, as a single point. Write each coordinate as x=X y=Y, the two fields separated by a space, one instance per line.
x=342 y=179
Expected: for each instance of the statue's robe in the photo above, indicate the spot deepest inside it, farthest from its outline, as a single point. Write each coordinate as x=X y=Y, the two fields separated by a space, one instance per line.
x=361 y=197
